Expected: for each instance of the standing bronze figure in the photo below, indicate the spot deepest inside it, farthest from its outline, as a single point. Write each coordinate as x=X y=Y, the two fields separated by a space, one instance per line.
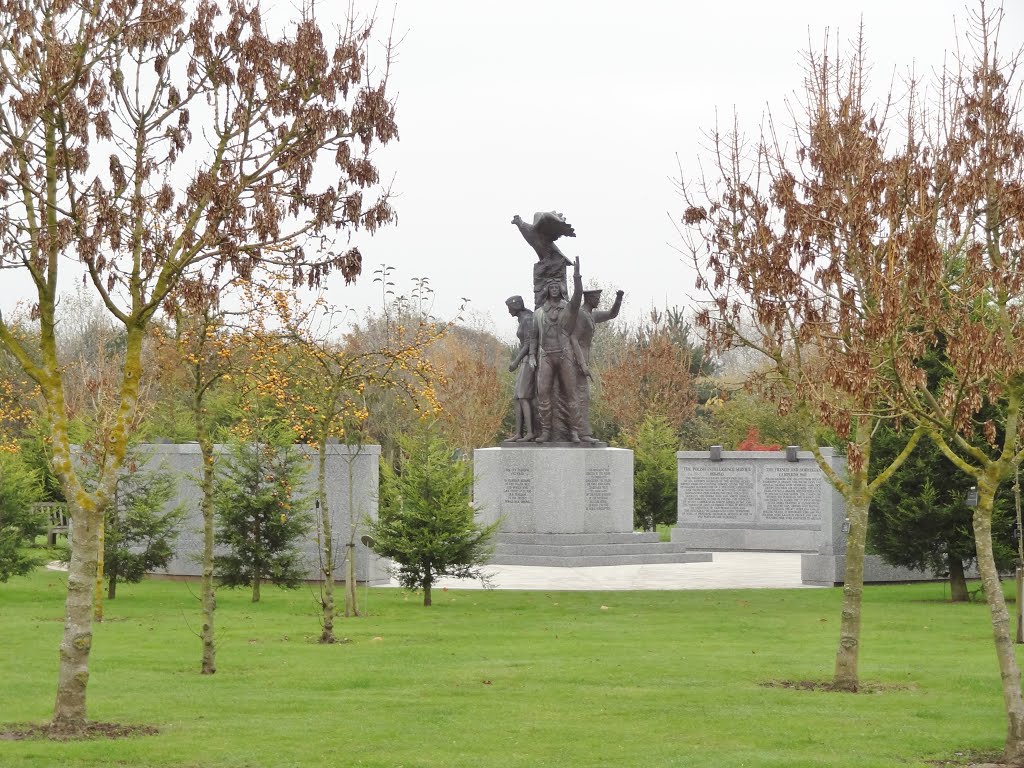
x=583 y=336
x=526 y=361
x=554 y=323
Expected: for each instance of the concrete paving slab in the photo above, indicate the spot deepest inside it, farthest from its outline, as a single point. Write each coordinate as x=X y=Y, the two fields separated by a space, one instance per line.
x=727 y=570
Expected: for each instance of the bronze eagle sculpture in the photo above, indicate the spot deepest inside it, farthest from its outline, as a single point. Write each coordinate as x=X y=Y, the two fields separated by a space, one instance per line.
x=547 y=227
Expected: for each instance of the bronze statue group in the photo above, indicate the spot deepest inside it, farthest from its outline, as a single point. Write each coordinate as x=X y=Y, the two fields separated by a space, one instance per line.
x=552 y=392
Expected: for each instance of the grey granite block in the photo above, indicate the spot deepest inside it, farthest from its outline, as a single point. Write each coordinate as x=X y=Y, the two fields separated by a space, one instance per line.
x=757 y=501
x=565 y=507
x=555 y=490
x=829 y=571
x=354 y=468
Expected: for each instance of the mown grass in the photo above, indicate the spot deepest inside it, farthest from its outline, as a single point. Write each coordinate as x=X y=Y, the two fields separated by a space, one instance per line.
x=509 y=679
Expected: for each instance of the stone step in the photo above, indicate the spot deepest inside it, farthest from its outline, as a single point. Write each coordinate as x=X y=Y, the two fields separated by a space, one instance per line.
x=573 y=550
x=578 y=538
x=597 y=560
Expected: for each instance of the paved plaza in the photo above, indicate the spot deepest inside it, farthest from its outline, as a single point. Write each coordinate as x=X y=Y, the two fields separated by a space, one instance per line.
x=727 y=570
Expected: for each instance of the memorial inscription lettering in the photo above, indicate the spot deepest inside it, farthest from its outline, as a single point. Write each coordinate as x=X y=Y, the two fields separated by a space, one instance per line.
x=716 y=493
x=518 y=485
x=598 y=485
x=790 y=494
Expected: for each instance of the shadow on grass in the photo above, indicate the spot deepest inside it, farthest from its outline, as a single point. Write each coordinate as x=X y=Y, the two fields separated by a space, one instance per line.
x=828 y=685
x=968 y=758
x=23 y=731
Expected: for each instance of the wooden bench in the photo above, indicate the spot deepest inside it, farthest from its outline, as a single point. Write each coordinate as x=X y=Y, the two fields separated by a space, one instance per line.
x=57 y=514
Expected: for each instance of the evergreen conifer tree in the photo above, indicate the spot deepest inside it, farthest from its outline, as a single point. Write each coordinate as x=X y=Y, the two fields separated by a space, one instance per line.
x=920 y=518
x=655 y=489
x=139 y=534
x=261 y=520
x=19 y=525
x=426 y=519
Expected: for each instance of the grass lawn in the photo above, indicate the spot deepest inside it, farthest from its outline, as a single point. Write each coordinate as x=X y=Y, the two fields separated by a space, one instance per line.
x=505 y=678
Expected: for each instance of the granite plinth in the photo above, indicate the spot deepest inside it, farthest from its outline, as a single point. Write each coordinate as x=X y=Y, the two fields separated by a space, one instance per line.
x=757 y=501
x=562 y=506
x=590 y=549
x=827 y=567
x=555 y=489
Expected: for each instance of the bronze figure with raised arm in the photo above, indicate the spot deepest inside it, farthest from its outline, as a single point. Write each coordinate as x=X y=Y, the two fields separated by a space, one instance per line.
x=554 y=323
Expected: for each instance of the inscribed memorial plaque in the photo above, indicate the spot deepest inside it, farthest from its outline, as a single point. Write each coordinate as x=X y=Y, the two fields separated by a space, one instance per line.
x=598 y=485
x=716 y=493
x=518 y=485
x=790 y=494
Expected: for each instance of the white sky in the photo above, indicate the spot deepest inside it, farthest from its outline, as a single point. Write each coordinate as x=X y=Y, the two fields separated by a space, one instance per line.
x=583 y=107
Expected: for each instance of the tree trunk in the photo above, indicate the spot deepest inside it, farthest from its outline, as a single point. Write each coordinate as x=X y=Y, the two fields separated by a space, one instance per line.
x=209 y=593
x=327 y=549
x=351 y=594
x=109 y=573
x=86 y=512
x=1018 y=603
x=847 y=654
x=427 y=583
x=257 y=565
x=98 y=599
x=1019 y=570
x=69 y=714
x=111 y=584
x=350 y=579
x=957 y=581
x=1008 y=669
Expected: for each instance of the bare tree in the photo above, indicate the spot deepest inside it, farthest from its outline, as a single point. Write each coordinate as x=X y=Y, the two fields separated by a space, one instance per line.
x=474 y=386
x=201 y=357
x=652 y=376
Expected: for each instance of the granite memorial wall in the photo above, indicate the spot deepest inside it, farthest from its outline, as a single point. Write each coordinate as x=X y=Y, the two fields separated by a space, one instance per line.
x=760 y=501
x=756 y=501
x=355 y=467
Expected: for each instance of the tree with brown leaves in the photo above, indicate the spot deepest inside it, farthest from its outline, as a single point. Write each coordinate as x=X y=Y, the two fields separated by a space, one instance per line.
x=474 y=389
x=962 y=287
x=795 y=239
x=651 y=376
x=101 y=164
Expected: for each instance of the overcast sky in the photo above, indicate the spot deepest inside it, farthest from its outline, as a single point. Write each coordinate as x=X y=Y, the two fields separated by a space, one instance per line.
x=583 y=107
